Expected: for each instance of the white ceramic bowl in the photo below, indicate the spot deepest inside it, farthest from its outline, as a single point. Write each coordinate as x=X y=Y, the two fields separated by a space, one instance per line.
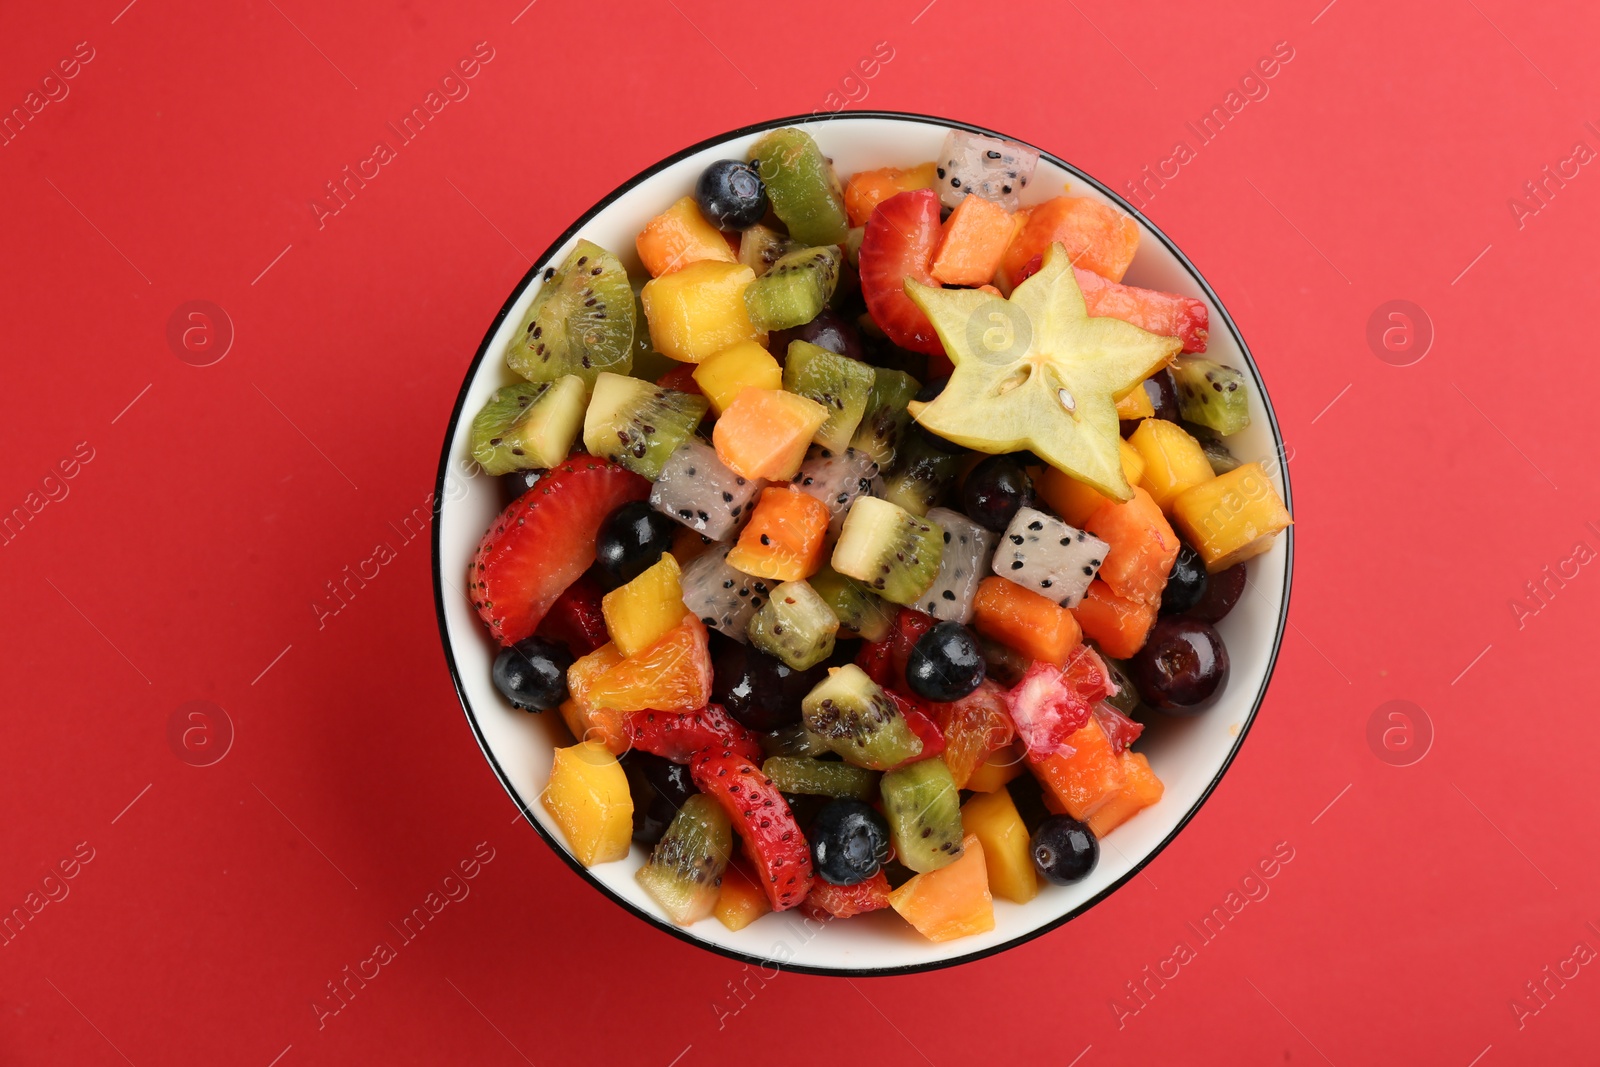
x=1189 y=755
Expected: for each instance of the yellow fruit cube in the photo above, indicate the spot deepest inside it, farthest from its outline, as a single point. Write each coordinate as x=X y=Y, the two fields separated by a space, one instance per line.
x=728 y=373
x=696 y=312
x=740 y=899
x=640 y=613
x=1136 y=405
x=1073 y=500
x=1173 y=461
x=993 y=773
x=1232 y=517
x=588 y=798
x=994 y=820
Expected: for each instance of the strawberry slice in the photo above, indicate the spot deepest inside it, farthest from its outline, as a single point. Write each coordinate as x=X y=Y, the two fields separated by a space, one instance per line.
x=899 y=242
x=772 y=840
x=575 y=619
x=828 y=901
x=885 y=661
x=543 y=542
x=1167 y=314
x=677 y=736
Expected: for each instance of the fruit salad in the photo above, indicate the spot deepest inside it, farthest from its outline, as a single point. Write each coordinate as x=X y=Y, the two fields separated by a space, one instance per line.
x=856 y=527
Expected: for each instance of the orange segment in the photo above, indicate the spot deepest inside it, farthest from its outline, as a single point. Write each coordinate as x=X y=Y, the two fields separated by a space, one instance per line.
x=784 y=537
x=588 y=720
x=674 y=674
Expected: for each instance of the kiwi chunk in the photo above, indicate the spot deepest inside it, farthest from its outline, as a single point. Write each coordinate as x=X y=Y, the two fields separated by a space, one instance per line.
x=795 y=774
x=1212 y=395
x=861 y=612
x=859 y=720
x=923 y=809
x=795 y=625
x=685 y=869
x=802 y=187
x=891 y=550
x=528 y=425
x=760 y=247
x=638 y=424
x=923 y=473
x=839 y=383
x=884 y=424
x=795 y=290
x=581 y=321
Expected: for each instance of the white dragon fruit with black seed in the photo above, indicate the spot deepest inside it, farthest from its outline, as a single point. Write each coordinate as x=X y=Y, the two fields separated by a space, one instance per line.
x=720 y=596
x=836 y=479
x=967 y=550
x=995 y=169
x=1043 y=554
x=696 y=489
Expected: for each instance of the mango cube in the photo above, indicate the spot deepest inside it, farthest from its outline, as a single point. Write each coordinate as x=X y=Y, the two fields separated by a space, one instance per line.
x=1232 y=517
x=642 y=612
x=1173 y=460
x=737 y=368
x=588 y=798
x=696 y=312
x=993 y=818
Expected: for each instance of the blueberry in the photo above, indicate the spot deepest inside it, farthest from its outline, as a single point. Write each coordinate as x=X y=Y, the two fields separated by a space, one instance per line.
x=532 y=674
x=659 y=788
x=995 y=490
x=945 y=664
x=1182 y=663
x=630 y=541
x=760 y=691
x=849 y=842
x=731 y=195
x=1186 y=582
x=1063 y=850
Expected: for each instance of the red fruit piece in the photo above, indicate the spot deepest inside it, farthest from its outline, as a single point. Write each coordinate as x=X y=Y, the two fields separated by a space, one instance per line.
x=1049 y=705
x=828 y=901
x=1120 y=730
x=543 y=542
x=898 y=244
x=921 y=724
x=575 y=618
x=682 y=379
x=973 y=728
x=1167 y=314
x=772 y=840
x=678 y=735
x=885 y=661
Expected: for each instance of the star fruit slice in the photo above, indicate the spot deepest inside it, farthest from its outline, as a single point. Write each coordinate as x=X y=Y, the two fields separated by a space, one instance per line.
x=1036 y=372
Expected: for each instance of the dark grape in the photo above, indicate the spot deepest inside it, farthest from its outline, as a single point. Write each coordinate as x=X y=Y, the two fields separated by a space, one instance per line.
x=1163 y=393
x=828 y=330
x=758 y=690
x=1222 y=592
x=1181 y=664
x=995 y=490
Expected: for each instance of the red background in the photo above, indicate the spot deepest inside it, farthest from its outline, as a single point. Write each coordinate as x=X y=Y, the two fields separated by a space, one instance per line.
x=183 y=563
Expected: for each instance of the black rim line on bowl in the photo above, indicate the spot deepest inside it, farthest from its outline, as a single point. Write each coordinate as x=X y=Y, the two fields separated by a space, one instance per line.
x=560 y=849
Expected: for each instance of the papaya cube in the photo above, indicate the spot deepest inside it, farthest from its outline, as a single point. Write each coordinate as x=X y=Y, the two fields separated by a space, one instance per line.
x=972 y=242
x=1117 y=624
x=1002 y=766
x=1080 y=784
x=588 y=720
x=588 y=798
x=733 y=370
x=1140 y=789
x=950 y=902
x=1075 y=501
x=679 y=237
x=1034 y=625
x=993 y=819
x=1231 y=518
x=1173 y=460
x=1142 y=547
x=784 y=538
x=1095 y=236
x=740 y=898
x=764 y=433
x=697 y=311
x=642 y=612
x=867 y=189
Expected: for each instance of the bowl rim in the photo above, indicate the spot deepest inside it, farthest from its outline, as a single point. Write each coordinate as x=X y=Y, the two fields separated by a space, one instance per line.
x=438 y=579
